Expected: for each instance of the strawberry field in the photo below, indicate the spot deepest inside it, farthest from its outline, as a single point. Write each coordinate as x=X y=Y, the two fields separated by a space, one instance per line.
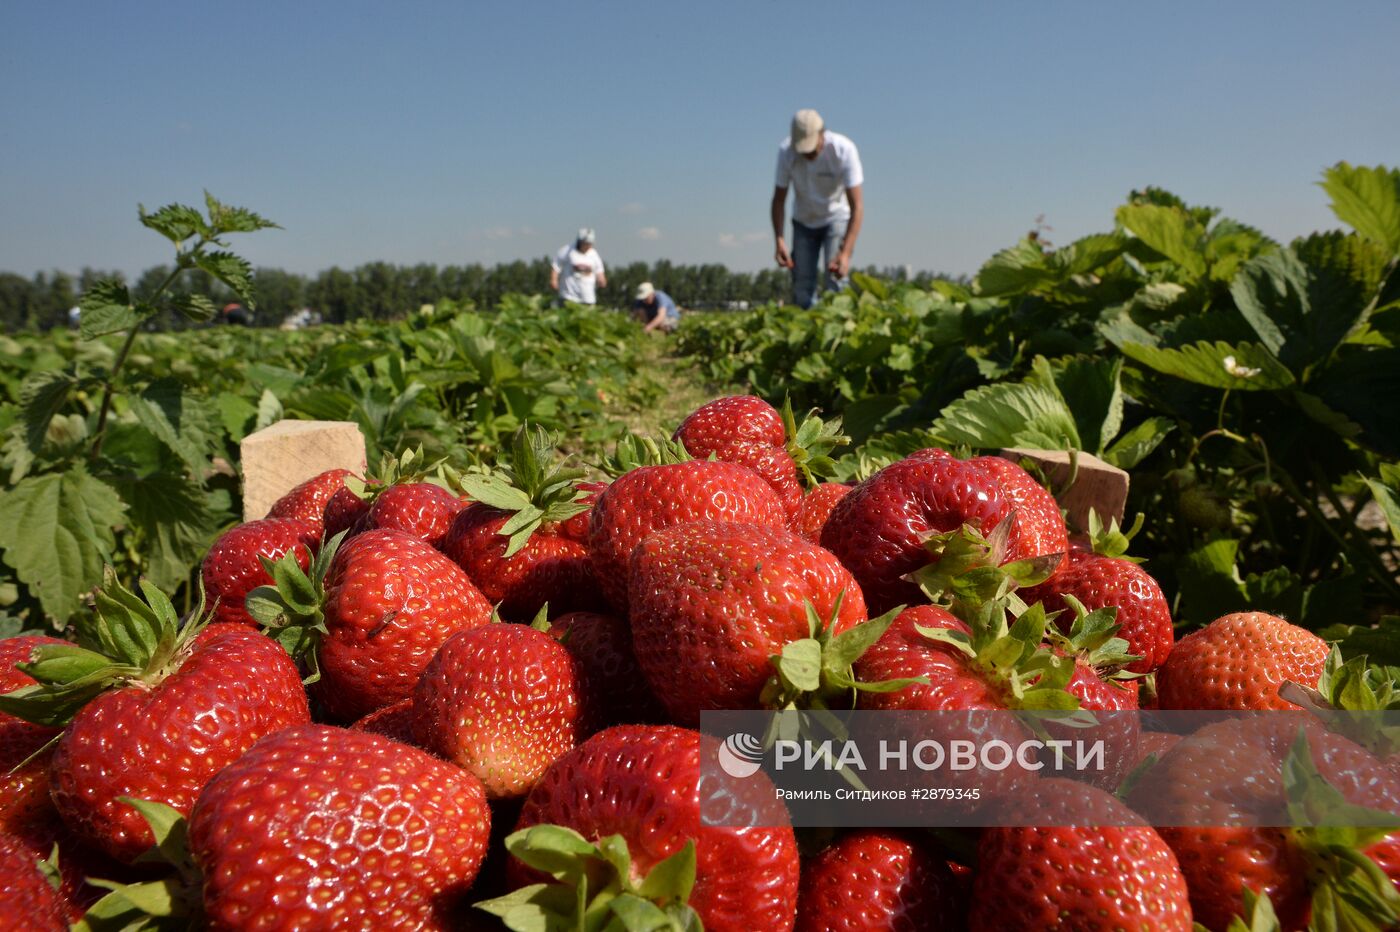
x=467 y=689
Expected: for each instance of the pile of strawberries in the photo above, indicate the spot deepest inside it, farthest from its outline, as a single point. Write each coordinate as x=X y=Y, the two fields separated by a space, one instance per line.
x=470 y=703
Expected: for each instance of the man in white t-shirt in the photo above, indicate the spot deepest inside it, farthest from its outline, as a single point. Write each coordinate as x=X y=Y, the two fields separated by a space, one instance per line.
x=576 y=271
x=823 y=170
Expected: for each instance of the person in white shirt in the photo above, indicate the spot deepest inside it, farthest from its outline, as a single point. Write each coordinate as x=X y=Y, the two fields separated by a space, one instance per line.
x=576 y=271
x=823 y=169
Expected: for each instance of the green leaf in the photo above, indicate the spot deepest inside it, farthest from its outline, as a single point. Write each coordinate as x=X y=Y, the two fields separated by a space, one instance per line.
x=1388 y=499
x=169 y=827
x=800 y=664
x=1007 y=414
x=269 y=410
x=41 y=396
x=848 y=646
x=232 y=270
x=1018 y=270
x=226 y=218
x=56 y=532
x=1169 y=231
x=195 y=307
x=553 y=849
x=1090 y=389
x=1244 y=367
x=175 y=222
x=180 y=421
x=175 y=520
x=1367 y=200
x=107 y=308
x=541 y=907
x=1138 y=443
x=673 y=878
x=1300 y=314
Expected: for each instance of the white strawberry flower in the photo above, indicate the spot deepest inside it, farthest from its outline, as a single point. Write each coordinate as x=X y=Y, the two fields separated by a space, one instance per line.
x=1238 y=371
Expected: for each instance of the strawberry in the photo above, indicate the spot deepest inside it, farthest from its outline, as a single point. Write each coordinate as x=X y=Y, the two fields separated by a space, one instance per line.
x=612 y=680
x=873 y=881
x=419 y=509
x=156 y=717
x=816 y=507
x=502 y=701
x=369 y=616
x=576 y=528
x=393 y=721
x=1238 y=661
x=1058 y=871
x=24 y=783
x=640 y=783
x=233 y=567
x=307 y=502
x=345 y=511
x=1228 y=774
x=28 y=902
x=512 y=542
x=649 y=498
x=1144 y=618
x=878 y=530
x=324 y=828
x=733 y=419
x=1038 y=518
x=746 y=430
x=713 y=603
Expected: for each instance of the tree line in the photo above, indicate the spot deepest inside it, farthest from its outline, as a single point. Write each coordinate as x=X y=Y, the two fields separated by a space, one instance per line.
x=380 y=290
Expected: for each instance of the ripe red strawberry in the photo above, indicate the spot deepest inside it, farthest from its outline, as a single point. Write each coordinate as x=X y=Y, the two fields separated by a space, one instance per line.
x=24 y=787
x=713 y=601
x=28 y=903
x=325 y=828
x=1060 y=872
x=393 y=721
x=746 y=430
x=612 y=681
x=878 y=530
x=642 y=782
x=307 y=502
x=1038 y=518
x=345 y=511
x=514 y=542
x=503 y=701
x=874 y=881
x=370 y=616
x=1144 y=618
x=156 y=718
x=1232 y=772
x=1238 y=661
x=420 y=509
x=733 y=419
x=391 y=602
x=653 y=497
x=233 y=567
x=816 y=506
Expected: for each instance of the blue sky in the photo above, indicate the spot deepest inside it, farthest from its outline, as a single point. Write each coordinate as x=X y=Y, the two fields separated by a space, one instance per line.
x=462 y=132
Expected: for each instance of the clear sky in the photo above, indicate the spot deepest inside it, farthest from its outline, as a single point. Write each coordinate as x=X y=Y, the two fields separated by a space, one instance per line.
x=486 y=131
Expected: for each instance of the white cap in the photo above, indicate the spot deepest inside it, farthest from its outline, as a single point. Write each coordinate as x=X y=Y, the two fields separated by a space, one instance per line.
x=645 y=291
x=807 y=128
x=586 y=235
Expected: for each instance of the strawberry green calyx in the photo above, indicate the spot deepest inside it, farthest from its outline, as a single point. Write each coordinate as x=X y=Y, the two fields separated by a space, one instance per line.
x=1014 y=657
x=534 y=492
x=634 y=451
x=1346 y=691
x=1093 y=639
x=811 y=442
x=969 y=575
x=1112 y=541
x=170 y=902
x=594 y=888
x=1350 y=891
x=292 y=609
x=408 y=466
x=126 y=640
x=1259 y=915
x=815 y=672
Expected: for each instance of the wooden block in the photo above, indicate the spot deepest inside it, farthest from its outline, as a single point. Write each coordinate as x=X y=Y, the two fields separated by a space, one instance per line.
x=286 y=454
x=1097 y=485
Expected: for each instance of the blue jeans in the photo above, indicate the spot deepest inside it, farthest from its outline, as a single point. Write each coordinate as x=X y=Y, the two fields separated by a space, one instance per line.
x=813 y=248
